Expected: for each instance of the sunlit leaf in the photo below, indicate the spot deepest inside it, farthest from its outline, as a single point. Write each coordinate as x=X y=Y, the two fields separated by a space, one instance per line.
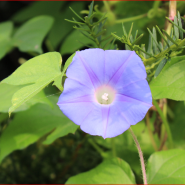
x=170 y=82
x=36 y=73
x=7 y=91
x=166 y=167
x=111 y=171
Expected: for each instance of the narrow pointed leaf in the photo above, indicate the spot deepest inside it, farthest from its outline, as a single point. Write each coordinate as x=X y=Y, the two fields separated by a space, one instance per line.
x=131 y=38
x=180 y=25
x=156 y=46
x=169 y=38
x=162 y=36
x=138 y=39
x=91 y=9
x=160 y=67
x=124 y=30
x=143 y=51
x=74 y=21
x=117 y=37
x=143 y=48
x=136 y=35
x=176 y=30
x=161 y=45
x=76 y=14
x=150 y=45
x=130 y=31
x=175 y=25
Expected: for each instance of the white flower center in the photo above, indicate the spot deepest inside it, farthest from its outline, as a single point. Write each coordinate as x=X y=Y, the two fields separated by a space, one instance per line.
x=105 y=95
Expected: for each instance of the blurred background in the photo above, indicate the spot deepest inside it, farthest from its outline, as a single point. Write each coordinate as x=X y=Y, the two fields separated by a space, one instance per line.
x=79 y=152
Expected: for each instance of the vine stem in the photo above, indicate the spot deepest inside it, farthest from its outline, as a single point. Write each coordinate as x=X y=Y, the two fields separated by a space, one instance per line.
x=165 y=122
x=140 y=156
x=150 y=132
x=131 y=18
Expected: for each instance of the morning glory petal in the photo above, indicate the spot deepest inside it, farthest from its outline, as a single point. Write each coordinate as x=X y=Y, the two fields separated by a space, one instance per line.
x=131 y=109
x=89 y=66
x=116 y=122
x=74 y=90
x=139 y=91
x=106 y=91
x=128 y=67
x=95 y=122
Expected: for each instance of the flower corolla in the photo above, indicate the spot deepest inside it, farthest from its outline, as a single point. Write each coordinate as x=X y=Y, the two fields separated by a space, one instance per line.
x=106 y=91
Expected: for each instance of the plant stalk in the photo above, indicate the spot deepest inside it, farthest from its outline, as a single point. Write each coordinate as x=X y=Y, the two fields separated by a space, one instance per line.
x=150 y=132
x=140 y=156
x=165 y=122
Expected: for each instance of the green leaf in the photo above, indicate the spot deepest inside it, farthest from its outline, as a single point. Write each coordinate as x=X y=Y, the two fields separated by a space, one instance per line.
x=180 y=25
x=5 y=40
x=32 y=32
x=111 y=171
x=71 y=44
x=166 y=167
x=170 y=82
x=156 y=46
x=160 y=67
x=169 y=37
x=38 y=8
x=57 y=32
x=176 y=30
x=36 y=73
x=91 y=9
x=162 y=36
x=150 y=43
x=7 y=91
x=58 y=81
x=124 y=30
x=177 y=125
x=29 y=126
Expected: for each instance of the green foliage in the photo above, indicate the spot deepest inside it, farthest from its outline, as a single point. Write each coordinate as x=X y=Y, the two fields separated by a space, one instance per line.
x=7 y=91
x=111 y=171
x=58 y=81
x=28 y=38
x=5 y=41
x=166 y=167
x=78 y=40
x=60 y=27
x=36 y=74
x=170 y=82
x=90 y=29
x=30 y=125
x=32 y=32
x=156 y=52
x=30 y=93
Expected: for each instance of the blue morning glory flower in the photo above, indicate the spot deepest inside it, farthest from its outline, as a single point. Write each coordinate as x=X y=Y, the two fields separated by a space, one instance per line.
x=106 y=91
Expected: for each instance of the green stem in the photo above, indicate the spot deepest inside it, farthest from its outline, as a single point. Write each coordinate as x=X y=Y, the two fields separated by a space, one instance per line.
x=131 y=18
x=140 y=156
x=166 y=124
x=95 y=39
x=150 y=132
